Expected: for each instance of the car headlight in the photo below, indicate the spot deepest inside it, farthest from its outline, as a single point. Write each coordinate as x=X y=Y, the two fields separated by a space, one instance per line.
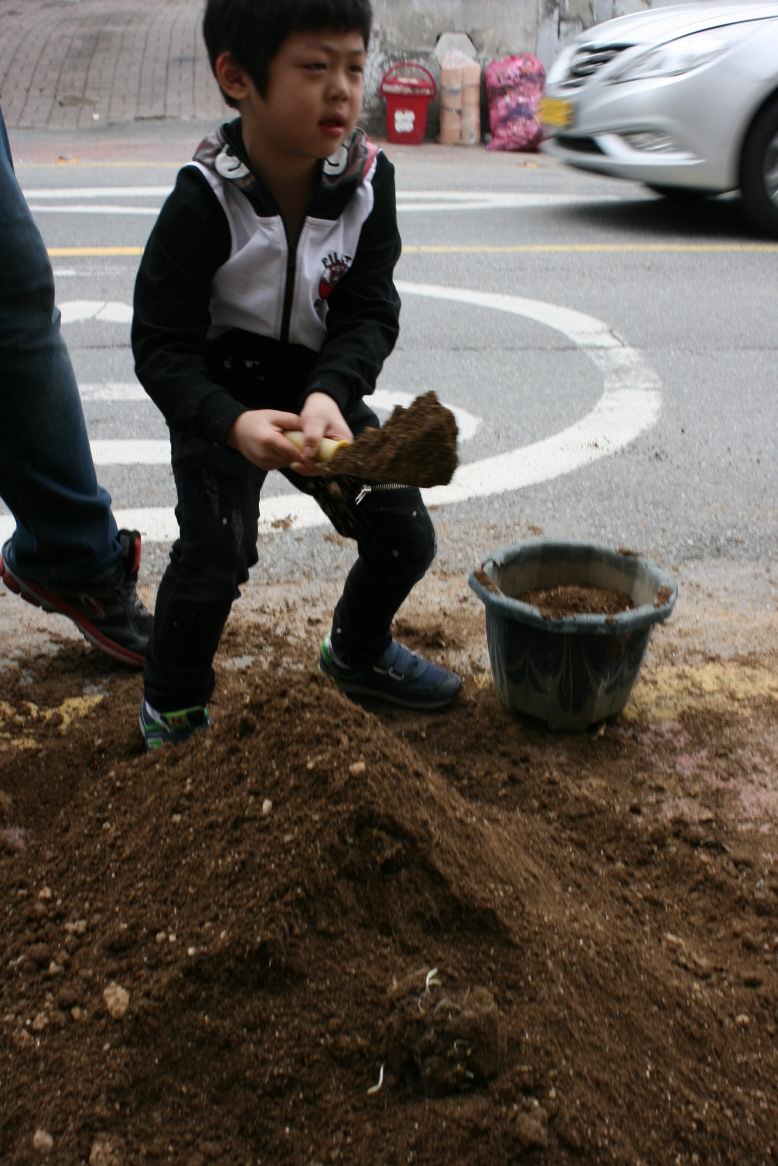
x=680 y=56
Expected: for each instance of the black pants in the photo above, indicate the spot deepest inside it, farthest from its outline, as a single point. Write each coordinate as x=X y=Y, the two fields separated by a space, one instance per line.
x=218 y=512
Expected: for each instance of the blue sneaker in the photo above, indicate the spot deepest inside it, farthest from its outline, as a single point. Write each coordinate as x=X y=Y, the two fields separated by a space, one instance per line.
x=160 y=729
x=398 y=676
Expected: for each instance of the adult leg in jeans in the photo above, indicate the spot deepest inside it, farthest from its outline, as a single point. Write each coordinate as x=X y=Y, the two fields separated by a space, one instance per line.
x=66 y=536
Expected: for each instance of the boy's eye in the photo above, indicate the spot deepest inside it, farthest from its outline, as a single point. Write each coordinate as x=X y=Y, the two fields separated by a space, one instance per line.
x=358 y=69
x=317 y=66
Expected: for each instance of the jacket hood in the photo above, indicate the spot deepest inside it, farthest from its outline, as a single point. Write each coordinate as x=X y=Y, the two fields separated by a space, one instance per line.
x=223 y=153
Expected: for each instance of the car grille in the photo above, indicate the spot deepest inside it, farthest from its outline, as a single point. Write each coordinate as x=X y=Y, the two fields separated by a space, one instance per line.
x=588 y=60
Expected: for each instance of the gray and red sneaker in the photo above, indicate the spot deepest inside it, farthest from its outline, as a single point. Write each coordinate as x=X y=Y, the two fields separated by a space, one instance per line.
x=109 y=615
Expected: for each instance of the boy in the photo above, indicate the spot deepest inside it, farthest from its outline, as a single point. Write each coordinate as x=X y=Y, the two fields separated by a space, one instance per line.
x=265 y=303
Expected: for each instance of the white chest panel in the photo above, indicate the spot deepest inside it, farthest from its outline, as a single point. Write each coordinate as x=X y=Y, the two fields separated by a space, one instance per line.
x=249 y=290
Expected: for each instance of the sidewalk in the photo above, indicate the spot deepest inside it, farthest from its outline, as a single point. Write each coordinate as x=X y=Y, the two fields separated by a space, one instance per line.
x=73 y=64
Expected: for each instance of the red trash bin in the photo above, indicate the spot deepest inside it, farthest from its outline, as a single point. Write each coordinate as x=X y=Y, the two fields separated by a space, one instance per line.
x=407 y=102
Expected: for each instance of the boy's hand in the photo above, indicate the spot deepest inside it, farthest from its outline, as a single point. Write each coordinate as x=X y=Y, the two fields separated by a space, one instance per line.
x=321 y=417
x=259 y=436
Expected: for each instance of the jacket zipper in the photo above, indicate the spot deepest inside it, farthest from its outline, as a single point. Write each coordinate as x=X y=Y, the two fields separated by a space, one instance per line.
x=377 y=486
x=291 y=277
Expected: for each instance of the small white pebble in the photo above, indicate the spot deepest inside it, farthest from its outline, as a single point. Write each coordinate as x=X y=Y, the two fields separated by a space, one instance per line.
x=117 y=1000
x=161 y=936
x=743 y=1020
x=42 y=1141
x=44 y=894
x=267 y=806
x=191 y=951
x=357 y=768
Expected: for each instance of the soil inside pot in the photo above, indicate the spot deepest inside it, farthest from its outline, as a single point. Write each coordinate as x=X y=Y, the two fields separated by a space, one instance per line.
x=567 y=600
x=416 y=447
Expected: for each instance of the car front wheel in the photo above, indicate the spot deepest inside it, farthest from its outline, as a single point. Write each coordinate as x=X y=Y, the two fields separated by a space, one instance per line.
x=759 y=170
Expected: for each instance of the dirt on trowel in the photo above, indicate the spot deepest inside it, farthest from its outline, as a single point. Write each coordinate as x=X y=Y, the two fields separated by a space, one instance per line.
x=416 y=447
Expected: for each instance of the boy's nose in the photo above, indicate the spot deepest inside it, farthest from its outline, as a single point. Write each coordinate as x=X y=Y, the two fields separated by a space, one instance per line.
x=339 y=86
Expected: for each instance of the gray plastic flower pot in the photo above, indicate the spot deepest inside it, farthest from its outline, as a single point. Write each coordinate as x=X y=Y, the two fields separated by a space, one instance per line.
x=575 y=671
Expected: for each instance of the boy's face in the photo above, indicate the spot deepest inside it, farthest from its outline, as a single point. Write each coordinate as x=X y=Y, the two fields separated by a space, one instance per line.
x=314 y=94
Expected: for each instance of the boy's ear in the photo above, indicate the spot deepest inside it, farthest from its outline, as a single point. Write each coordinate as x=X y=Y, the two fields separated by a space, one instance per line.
x=233 y=79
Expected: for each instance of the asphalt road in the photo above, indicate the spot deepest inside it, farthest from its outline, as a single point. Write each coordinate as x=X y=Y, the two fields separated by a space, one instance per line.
x=623 y=351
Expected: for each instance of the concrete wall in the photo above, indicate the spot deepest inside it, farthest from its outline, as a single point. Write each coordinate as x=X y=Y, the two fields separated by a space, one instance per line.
x=410 y=29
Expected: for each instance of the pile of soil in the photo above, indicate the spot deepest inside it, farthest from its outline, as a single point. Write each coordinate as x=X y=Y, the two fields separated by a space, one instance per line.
x=322 y=933
x=416 y=447
x=567 y=600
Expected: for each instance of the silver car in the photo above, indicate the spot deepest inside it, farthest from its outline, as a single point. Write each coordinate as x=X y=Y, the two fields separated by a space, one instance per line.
x=683 y=99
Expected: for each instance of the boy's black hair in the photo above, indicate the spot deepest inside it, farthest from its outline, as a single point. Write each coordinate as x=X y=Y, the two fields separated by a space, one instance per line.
x=254 y=30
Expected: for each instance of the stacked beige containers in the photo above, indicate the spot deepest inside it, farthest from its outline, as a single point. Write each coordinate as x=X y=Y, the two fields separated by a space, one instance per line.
x=460 y=101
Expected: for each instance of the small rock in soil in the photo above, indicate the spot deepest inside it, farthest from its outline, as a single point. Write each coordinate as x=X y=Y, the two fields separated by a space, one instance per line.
x=104 y=1152
x=531 y=1130
x=117 y=1000
x=43 y=1142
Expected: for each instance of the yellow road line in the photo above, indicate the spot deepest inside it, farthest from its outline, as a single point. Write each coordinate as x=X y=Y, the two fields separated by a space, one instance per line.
x=91 y=252
x=528 y=249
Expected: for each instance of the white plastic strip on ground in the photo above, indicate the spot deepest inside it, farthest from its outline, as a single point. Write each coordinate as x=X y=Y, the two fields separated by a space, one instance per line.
x=630 y=404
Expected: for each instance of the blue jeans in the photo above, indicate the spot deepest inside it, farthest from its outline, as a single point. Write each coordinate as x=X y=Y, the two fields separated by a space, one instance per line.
x=65 y=534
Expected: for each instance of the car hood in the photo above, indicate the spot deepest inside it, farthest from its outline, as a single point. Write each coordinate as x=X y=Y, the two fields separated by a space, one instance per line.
x=663 y=24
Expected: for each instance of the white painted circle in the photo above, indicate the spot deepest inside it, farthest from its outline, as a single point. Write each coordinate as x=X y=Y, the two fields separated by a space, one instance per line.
x=629 y=405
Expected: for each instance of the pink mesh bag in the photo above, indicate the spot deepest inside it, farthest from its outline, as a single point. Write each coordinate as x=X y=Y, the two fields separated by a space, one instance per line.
x=514 y=87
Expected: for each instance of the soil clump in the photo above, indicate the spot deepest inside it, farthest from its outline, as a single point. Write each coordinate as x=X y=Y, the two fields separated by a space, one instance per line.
x=327 y=933
x=416 y=447
x=575 y=599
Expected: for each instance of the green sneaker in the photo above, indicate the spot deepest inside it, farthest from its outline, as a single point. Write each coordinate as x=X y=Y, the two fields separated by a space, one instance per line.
x=160 y=729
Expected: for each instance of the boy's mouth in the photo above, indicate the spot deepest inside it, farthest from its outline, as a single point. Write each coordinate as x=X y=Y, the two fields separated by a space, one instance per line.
x=333 y=124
